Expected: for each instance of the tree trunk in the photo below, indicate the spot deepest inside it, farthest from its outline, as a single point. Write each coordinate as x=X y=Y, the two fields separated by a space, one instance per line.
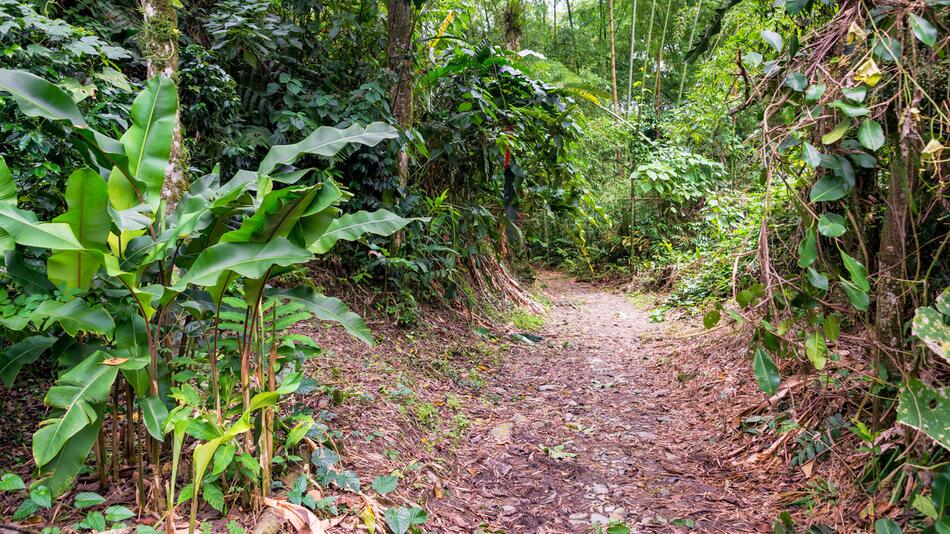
x=633 y=41
x=613 y=57
x=400 y=62
x=891 y=257
x=160 y=41
x=513 y=24
x=570 y=21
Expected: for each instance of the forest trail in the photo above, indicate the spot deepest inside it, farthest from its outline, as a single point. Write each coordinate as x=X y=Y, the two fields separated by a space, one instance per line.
x=601 y=421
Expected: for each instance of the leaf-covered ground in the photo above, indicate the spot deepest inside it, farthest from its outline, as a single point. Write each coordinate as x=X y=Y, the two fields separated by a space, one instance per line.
x=608 y=417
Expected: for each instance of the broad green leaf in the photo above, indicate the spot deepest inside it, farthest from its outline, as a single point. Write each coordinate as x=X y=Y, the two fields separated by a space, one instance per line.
x=887 y=49
x=857 y=297
x=384 y=484
x=924 y=505
x=794 y=7
x=41 y=495
x=930 y=326
x=21 y=353
x=11 y=482
x=773 y=39
x=796 y=81
x=816 y=349
x=855 y=94
x=263 y=399
x=8 y=190
x=204 y=453
x=831 y=225
x=766 y=372
x=86 y=499
x=400 y=520
x=60 y=473
x=926 y=409
x=837 y=133
x=831 y=327
x=886 y=525
x=810 y=155
x=87 y=214
x=74 y=316
x=278 y=213
x=814 y=92
x=859 y=274
x=324 y=457
x=871 y=135
x=711 y=318
x=213 y=495
x=817 y=279
x=851 y=110
x=94 y=521
x=30 y=280
x=115 y=514
x=924 y=31
x=222 y=459
x=37 y=97
x=147 y=145
x=26 y=509
x=154 y=413
x=351 y=226
x=26 y=230
x=327 y=309
x=251 y=260
x=808 y=249
x=829 y=188
x=326 y=141
x=348 y=481
x=75 y=393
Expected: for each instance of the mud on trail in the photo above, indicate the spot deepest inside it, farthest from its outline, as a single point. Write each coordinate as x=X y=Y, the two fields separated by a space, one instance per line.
x=608 y=417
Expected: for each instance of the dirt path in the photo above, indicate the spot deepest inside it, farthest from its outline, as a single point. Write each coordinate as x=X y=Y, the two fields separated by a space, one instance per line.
x=607 y=388
x=608 y=418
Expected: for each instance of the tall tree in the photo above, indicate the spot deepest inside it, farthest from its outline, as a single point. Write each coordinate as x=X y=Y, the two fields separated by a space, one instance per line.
x=513 y=22
x=400 y=57
x=633 y=40
x=160 y=43
x=570 y=20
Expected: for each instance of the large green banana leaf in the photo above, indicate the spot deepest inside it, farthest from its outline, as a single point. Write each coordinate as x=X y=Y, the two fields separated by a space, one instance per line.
x=59 y=473
x=8 y=194
x=87 y=201
x=278 y=213
x=8 y=191
x=326 y=141
x=37 y=97
x=251 y=260
x=327 y=309
x=21 y=353
x=76 y=393
x=147 y=144
x=73 y=316
x=351 y=226
x=26 y=230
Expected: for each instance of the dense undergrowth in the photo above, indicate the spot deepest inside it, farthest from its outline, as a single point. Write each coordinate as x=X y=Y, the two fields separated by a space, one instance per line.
x=174 y=171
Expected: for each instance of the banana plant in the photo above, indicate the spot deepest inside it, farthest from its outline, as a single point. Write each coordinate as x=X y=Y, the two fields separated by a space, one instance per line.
x=126 y=280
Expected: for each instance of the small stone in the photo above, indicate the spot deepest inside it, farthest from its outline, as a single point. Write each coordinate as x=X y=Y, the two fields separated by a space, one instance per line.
x=618 y=514
x=600 y=489
x=502 y=432
x=508 y=509
x=578 y=516
x=519 y=419
x=597 y=519
x=547 y=387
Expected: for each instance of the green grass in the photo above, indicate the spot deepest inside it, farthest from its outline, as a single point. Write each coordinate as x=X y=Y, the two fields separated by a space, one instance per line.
x=526 y=321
